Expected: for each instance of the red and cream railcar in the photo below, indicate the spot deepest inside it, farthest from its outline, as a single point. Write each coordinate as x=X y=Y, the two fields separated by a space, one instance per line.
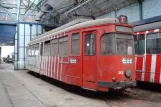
x=147 y=39
x=96 y=55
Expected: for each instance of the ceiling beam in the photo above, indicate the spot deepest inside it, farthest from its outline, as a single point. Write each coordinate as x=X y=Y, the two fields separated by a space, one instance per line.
x=30 y=5
x=35 y=7
x=10 y=14
x=75 y=8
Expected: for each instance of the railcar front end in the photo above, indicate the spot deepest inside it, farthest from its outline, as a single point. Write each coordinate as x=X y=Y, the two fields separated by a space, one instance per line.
x=116 y=63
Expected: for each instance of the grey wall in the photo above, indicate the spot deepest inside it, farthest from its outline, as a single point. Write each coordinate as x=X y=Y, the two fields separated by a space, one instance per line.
x=150 y=8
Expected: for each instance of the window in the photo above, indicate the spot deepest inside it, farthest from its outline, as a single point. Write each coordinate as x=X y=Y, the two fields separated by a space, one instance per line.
x=154 y=43
x=33 y=51
x=63 y=46
x=47 y=48
x=90 y=44
x=116 y=44
x=37 y=49
x=107 y=44
x=29 y=51
x=124 y=44
x=139 y=42
x=41 y=49
x=54 y=47
x=75 y=44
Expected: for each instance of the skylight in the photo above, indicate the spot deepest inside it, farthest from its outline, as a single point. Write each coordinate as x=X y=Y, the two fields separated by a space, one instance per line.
x=35 y=1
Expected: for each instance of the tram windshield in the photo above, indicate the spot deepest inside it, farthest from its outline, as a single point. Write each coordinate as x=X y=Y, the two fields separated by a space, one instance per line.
x=124 y=44
x=121 y=44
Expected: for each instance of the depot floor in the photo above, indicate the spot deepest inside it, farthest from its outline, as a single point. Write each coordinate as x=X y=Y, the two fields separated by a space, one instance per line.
x=27 y=89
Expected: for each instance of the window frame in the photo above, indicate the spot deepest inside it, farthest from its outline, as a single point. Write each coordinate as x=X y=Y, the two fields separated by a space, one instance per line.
x=59 y=42
x=79 y=51
x=54 y=42
x=33 y=50
x=139 y=43
x=115 y=38
x=29 y=51
x=100 y=44
x=46 y=48
x=153 y=38
x=95 y=52
x=41 y=49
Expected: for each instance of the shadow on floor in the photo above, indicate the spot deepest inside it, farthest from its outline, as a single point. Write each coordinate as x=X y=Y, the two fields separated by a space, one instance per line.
x=79 y=91
x=149 y=86
x=105 y=96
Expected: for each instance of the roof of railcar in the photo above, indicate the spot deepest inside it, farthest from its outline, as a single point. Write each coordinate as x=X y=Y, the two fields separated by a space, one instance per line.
x=147 y=24
x=61 y=30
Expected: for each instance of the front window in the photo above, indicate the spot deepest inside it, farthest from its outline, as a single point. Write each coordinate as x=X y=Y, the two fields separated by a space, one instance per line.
x=124 y=44
x=116 y=44
x=107 y=44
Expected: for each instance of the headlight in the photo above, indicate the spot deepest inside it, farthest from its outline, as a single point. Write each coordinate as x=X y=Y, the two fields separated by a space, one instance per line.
x=127 y=73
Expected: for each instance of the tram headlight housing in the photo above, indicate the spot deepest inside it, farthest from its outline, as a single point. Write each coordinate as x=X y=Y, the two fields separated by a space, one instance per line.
x=128 y=73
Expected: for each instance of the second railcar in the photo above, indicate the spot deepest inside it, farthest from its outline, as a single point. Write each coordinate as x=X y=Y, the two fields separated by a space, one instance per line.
x=147 y=39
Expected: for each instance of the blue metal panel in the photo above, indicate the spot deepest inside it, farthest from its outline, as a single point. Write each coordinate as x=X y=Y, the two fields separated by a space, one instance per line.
x=31 y=23
x=147 y=21
x=7 y=32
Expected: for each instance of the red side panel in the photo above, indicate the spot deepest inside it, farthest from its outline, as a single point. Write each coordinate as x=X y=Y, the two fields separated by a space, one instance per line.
x=158 y=69
x=148 y=68
x=139 y=67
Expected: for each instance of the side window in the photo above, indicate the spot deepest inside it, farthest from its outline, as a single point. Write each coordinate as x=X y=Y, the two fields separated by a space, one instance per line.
x=75 y=43
x=47 y=48
x=154 y=43
x=63 y=46
x=37 y=49
x=107 y=44
x=159 y=45
x=29 y=51
x=54 y=47
x=33 y=51
x=90 y=44
x=41 y=49
x=139 y=42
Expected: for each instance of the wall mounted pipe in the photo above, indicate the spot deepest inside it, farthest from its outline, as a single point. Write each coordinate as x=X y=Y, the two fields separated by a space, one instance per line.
x=141 y=9
x=82 y=4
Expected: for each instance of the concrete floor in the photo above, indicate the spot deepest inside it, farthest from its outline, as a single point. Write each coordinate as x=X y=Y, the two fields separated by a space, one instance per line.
x=26 y=89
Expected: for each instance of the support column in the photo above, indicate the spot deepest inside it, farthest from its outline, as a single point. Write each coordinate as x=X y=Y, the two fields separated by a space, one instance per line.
x=141 y=9
x=16 y=52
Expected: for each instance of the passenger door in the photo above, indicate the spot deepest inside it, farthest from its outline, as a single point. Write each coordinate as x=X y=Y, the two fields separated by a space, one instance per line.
x=89 y=60
x=140 y=56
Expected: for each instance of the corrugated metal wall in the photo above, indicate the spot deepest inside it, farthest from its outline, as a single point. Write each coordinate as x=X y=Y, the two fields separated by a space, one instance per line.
x=150 y=8
x=7 y=32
